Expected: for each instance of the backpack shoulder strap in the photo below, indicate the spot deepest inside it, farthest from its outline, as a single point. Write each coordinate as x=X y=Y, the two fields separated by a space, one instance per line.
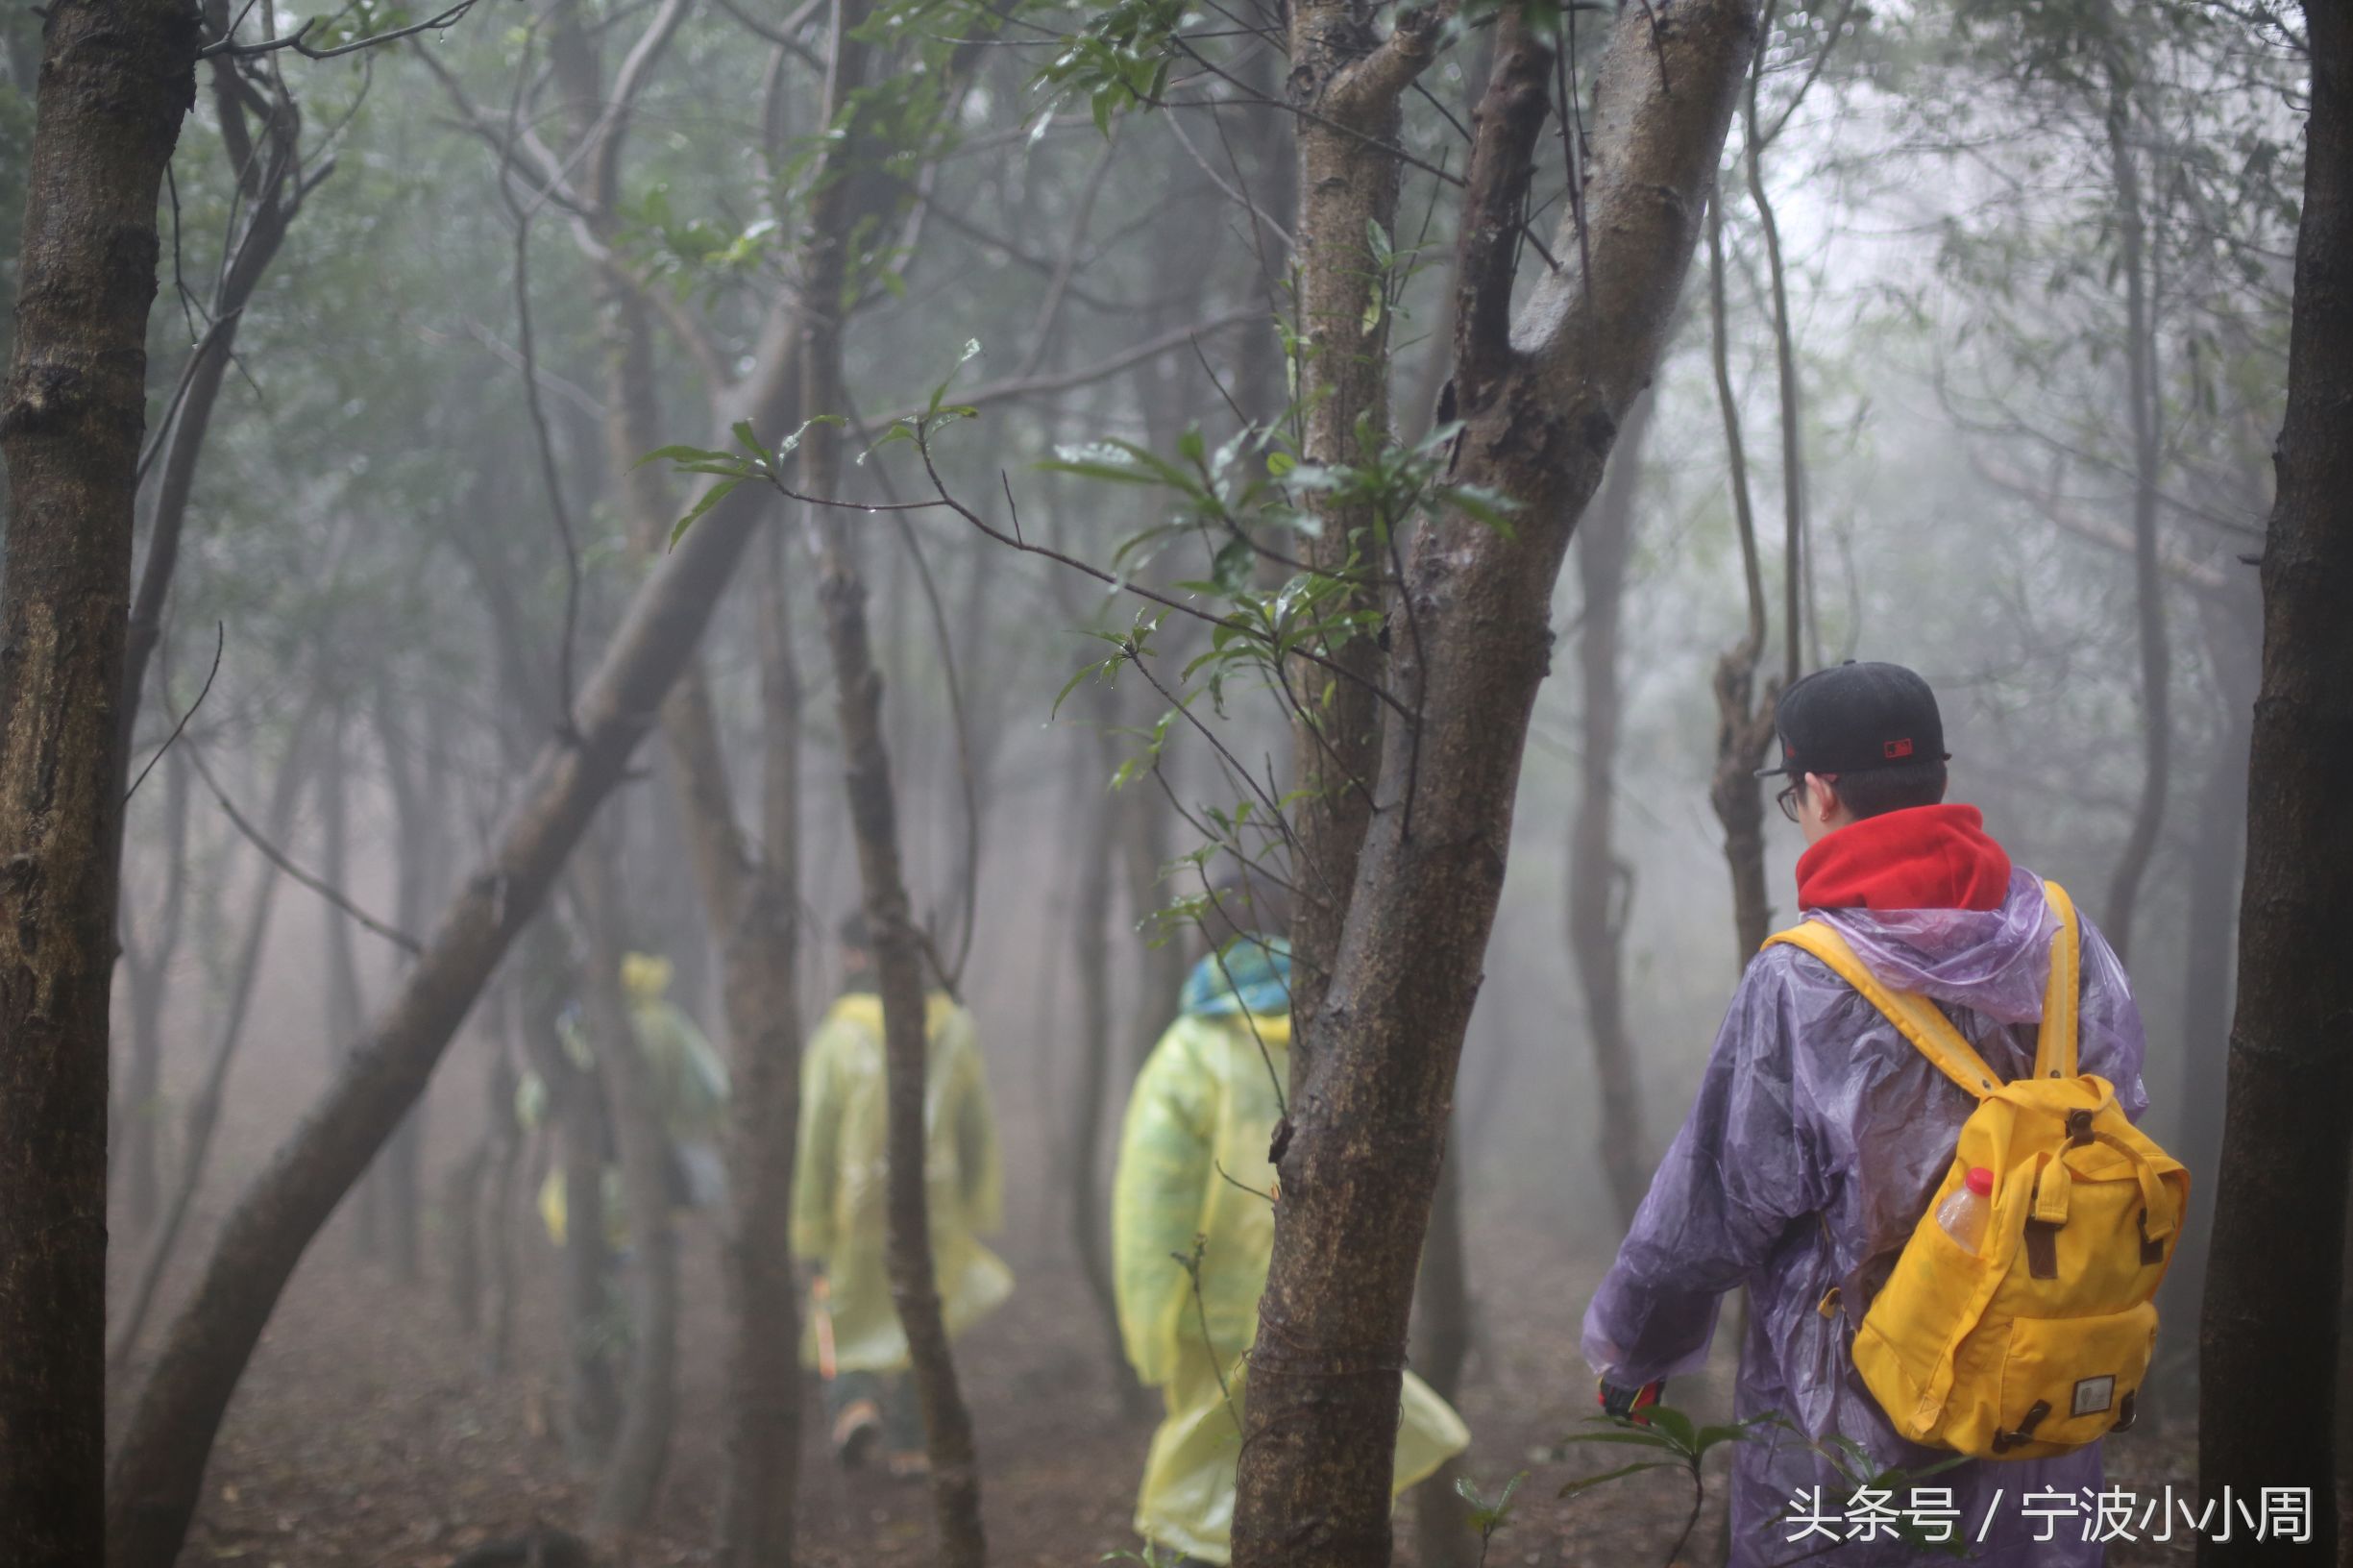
x=1911 y=1012
x=2054 y=1047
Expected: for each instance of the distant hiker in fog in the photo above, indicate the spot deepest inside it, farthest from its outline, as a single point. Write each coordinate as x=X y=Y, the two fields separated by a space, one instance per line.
x=1191 y=1153
x=688 y=1080
x=1821 y=1134
x=839 y=1194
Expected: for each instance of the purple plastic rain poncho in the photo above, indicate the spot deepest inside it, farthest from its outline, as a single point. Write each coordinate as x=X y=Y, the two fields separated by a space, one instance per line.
x=1818 y=1137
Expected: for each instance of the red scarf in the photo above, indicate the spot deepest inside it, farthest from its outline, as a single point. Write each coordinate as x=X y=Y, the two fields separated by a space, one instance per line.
x=1921 y=857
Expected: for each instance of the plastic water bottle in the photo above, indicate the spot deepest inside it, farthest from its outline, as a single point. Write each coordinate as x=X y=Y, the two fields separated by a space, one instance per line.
x=1965 y=1213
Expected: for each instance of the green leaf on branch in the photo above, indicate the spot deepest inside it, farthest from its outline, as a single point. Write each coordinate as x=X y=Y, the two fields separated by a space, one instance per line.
x=711 y=497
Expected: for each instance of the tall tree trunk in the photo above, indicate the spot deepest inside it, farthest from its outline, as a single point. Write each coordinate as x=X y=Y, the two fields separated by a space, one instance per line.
x=760 y=961
x=1602 y=885
x=2269 y=1342
x=462 y=1215
x=1541 y=405
x=158 y=1469
x=1097 y=1044
x=417 y=786
x=632 y=1477
x=204 y=1110
x=750 y=902
x=955 y=1475
x=1743 y=722
x=2207 y=963
x=147 y=967
x=2148 y=581
x=116 y=78
x=1270 y=152
x=345 y=1004
x=576 y=1111
x=1796 y=563
x=495 y=1217
x=1347 y=190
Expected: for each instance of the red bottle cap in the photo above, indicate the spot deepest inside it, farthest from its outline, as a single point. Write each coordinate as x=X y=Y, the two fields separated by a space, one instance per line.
x=1979 y=1181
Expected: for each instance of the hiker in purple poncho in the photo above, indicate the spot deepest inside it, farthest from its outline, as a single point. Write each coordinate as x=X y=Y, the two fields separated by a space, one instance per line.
x=1820 y=1135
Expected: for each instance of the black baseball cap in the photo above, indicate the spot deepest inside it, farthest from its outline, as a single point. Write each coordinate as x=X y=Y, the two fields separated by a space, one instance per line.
x=1851 y=718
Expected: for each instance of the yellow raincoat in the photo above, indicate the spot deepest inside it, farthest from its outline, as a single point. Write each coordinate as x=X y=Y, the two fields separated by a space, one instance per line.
x=840 y=1186
x=687 y=1076
x=1204 y=1100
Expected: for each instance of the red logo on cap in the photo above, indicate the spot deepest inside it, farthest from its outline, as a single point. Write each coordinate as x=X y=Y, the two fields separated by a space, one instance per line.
x=1898 y=749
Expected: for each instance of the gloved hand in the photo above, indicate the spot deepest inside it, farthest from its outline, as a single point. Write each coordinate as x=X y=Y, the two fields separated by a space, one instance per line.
x=1627 y=1404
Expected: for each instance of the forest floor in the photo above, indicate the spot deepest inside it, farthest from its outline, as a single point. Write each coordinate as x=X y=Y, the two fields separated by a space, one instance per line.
x=367 y=1434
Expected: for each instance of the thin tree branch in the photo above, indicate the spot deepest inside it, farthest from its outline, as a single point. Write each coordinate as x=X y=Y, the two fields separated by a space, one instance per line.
x=220 y=642
x=1064 y=381
x=294 y=40
x=278 y=858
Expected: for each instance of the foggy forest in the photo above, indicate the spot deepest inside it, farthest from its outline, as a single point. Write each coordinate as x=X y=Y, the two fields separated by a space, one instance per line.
x=691 y=689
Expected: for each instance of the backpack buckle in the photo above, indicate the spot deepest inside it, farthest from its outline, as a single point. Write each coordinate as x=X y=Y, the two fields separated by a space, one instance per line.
x=2004 y=1441
x=2079 y=1127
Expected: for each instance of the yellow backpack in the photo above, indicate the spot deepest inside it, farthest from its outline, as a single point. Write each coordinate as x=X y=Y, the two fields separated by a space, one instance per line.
x=2036 y=1342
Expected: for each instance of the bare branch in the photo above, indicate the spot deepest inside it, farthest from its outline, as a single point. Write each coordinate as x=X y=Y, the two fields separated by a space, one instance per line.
x=1041 y=330
x=1813 y=72
x=1101 y=370
x=295 y=40
x=2203 y=576
x=278 y=858
x=220 y=642
x=1232 y=193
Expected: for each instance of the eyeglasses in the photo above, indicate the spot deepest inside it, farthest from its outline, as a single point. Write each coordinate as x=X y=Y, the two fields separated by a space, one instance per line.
x=1787 y=800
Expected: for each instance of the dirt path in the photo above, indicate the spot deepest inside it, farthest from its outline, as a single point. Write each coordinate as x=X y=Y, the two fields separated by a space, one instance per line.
x=368 y=1437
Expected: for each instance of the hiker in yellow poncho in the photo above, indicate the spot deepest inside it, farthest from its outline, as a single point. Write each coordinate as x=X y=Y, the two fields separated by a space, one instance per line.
x=840 y=1195
x=1206 y=1100
x=689 y=1083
